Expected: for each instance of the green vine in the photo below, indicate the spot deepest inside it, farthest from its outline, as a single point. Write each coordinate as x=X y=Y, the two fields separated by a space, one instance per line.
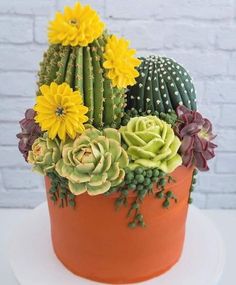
x=141 y=182
x=59 y=191
x=193 y=184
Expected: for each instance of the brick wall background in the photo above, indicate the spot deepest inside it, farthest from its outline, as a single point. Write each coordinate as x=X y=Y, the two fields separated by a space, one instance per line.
x=200 y=34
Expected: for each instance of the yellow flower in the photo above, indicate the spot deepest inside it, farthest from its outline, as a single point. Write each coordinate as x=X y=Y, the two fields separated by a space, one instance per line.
x=120 y=62
x=77 y=26
x=60 y=111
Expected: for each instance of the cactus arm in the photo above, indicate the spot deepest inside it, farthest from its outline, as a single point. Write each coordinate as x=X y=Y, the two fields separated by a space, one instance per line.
x=97 y=87
x=70 y=70
x=157 y=97
x=79 y=70
x=62 y=64
x=141 y=88
x=149 y=107
x=108 y=100
x=88 y=83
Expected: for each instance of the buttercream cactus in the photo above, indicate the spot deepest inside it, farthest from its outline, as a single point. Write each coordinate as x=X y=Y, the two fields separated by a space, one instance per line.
x=94 y=162
x=162 y=86
x=151 y=143
x=77 y=56
x=44 y=155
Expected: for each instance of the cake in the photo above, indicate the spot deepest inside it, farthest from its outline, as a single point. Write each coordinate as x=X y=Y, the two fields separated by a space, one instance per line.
x=119 y=141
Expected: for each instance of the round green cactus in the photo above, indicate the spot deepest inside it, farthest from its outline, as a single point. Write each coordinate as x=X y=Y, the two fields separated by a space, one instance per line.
x=94 y=162
x=151 y=143
x=44 y=155
x=82 y=68
x=162 y=86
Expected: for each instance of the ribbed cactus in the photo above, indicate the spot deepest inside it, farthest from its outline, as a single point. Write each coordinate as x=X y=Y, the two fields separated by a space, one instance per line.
x=82 y=68
x=162 y=85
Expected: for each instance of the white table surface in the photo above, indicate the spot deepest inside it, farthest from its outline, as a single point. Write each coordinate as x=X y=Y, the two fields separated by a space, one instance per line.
x=225 y=220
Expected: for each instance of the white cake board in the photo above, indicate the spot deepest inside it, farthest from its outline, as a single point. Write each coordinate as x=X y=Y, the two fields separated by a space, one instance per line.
x=34 y=262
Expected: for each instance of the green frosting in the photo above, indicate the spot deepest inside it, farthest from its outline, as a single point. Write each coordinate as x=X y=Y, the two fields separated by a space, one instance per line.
x=44 y=155
x=94 y=162
x=151 y=143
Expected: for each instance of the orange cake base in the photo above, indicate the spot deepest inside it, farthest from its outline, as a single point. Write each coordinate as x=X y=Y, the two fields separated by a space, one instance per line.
x=93 y=239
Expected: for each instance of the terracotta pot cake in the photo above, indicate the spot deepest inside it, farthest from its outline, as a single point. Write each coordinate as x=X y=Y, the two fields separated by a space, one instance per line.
x=119 y=141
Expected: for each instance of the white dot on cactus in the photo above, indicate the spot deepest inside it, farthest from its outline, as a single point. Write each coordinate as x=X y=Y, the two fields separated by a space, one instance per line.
x=191 y=90
x=177 y=66
x=195 y=100
x=155 y=78
x=189 y=101
x=182 y=84
x=167 y=102
x=138 y=98
x=132 y=108
x=186 y=80
x=149 y=78
x=156 y=89
x=164 y=95
x=142 y=74
x=185 y=91
x=177 y=78
x=132 y=97
x=155 y=71
x=148 y=99
x=149 y=111
x=164 y=72
x=185 y=73
x=172 y=84
x=181 y=103
x=148 y=88
x=176 y=93
x=158 y=102
x=140 y=85
x=169 y=68
x=173 y=72
x=169 y=110
x=162 y=87
x=162 y=80
x=169 y=78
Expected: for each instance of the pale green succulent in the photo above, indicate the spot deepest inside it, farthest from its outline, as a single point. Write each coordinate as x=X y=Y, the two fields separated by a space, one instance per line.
x=151 y=143
x=44 y=155
x=94 y=162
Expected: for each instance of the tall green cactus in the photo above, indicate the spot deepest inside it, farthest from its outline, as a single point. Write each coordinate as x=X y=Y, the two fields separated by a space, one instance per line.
x=82 y=68
x=161 y=86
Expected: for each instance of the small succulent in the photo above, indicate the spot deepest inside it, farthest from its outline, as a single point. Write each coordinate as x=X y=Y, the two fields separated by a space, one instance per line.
x=151 y=143
x=195 y=132
x=30 y=131
x=44 y=154
x=94 y=162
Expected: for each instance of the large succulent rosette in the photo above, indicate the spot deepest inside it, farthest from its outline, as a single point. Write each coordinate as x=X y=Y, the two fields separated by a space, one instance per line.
x=44 y=154
x=151 y=143
x=30 y=131
x=94 y=162
x=196 y=135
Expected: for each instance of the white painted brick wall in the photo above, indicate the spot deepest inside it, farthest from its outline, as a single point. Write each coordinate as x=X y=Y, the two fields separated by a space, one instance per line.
x=200 y=34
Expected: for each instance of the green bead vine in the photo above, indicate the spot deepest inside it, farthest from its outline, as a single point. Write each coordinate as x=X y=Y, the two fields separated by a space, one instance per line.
x=193 y=184
x=59 y=191
x=141 y=182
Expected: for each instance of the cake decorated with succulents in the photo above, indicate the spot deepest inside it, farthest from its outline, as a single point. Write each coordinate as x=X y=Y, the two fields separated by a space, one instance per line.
x=119 y=141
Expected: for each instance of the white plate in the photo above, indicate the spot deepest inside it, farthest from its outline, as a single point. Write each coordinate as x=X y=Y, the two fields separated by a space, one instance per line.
x=34 y=262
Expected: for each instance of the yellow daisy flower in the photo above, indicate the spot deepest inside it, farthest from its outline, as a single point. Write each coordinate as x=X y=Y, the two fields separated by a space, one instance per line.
x=77 y=26
x=120 y=62
x=60 y=111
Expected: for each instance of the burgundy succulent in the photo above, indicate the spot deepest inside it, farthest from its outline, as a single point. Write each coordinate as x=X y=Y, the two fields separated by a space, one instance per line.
x=195 y=132
x=30 y=131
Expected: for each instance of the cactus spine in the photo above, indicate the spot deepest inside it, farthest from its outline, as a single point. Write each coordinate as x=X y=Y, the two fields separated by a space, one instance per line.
x=162 y=85
x=82 y=68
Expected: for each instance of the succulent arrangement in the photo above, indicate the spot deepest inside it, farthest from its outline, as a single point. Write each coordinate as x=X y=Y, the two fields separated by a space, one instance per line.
x=105 y=121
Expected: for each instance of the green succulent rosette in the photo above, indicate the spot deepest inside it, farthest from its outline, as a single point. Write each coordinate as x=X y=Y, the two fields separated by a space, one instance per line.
x=44 y=155
x=93 y=162
x=151 y=143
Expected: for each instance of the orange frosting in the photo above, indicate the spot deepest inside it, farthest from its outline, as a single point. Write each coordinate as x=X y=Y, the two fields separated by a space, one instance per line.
x=94 y=241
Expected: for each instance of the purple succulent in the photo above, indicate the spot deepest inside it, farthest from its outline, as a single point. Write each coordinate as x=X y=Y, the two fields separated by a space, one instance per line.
x=30 y=131
x=195 y=132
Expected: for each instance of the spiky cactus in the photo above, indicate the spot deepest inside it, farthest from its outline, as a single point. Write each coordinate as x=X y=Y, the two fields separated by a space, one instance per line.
x=163 y=85
x=82 y=68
